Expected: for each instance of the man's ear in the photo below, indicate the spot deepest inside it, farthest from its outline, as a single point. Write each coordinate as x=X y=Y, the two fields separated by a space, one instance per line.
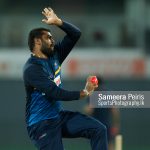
x=37 y=41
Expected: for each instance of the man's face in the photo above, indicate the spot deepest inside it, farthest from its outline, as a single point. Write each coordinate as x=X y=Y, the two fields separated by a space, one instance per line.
x=47 y=47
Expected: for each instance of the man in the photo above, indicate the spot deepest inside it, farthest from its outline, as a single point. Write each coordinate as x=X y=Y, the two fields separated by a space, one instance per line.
x=46 y=120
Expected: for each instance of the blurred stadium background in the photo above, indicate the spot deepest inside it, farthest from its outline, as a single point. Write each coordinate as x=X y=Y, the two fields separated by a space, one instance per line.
x=114 y=44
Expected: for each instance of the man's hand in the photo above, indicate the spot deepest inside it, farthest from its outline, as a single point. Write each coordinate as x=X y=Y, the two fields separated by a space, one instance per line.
x=51 y=17
x=89 y=88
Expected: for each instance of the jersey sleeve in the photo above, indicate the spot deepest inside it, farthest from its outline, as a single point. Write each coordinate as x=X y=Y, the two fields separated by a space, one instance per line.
x=37 y=78
x=65 y=46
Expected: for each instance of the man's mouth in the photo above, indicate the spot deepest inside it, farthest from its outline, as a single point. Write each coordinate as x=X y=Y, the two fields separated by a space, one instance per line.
x=52 y=45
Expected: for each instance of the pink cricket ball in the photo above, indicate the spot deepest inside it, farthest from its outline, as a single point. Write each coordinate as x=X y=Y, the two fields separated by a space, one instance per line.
x=94 y=80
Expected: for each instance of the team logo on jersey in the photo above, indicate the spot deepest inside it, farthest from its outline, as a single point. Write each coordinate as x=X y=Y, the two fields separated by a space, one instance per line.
x=50 y=76
x=57 y=80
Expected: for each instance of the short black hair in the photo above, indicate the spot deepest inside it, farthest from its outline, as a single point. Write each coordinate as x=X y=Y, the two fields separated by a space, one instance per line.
x=35 y=33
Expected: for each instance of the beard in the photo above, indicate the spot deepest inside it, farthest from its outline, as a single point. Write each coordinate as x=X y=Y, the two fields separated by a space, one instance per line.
x=47 y=50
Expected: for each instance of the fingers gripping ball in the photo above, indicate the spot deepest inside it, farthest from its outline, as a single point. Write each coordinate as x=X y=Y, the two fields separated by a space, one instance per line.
x=91 y=84
x=94 y=80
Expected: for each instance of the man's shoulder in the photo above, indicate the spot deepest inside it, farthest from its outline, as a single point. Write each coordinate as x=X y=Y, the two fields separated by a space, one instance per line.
x=30 y=65
x=30 y=69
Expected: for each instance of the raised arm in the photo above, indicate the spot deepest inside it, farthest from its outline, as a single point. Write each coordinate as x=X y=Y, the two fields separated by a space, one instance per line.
x=72 y=33
x=65 y=46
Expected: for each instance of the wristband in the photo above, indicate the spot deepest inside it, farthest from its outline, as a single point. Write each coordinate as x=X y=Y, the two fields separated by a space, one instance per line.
x=85 y=90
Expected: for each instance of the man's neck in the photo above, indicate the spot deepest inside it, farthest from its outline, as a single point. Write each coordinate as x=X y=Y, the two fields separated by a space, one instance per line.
x=39 y=55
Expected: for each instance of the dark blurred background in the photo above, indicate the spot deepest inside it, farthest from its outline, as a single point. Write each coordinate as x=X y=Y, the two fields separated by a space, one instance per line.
x=114 y=45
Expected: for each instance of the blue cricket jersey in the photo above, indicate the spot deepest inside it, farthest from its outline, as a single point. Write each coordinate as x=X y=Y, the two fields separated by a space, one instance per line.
x=42 y=80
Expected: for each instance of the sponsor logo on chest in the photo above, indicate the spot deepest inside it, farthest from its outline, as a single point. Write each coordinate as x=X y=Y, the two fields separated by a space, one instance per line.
x=57 y=80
